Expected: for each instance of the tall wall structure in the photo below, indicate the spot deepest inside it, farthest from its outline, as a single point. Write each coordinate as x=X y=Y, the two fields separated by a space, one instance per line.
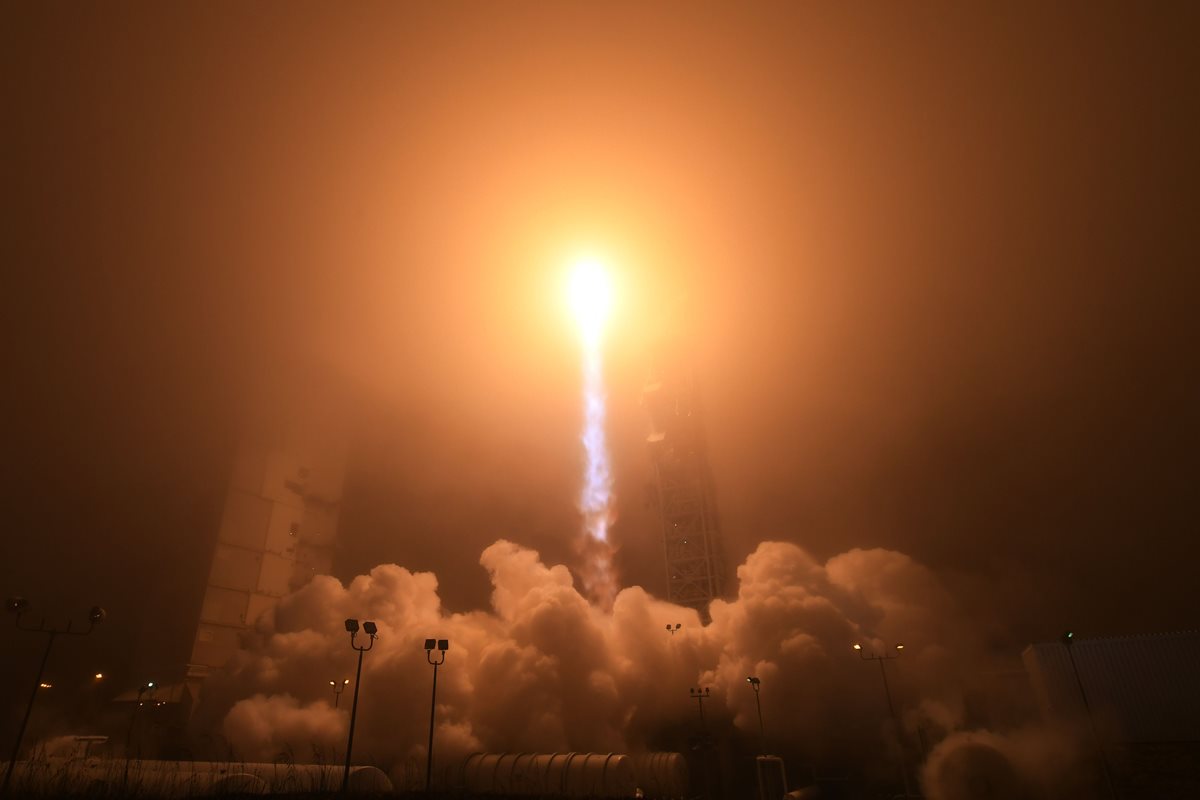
x=686 y=500
x=277 y=531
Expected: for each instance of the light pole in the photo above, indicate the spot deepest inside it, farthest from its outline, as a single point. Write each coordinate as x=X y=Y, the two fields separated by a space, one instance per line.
x=891 y=708
x=18 y=606
x=672 y=628
x=1068 y=639
x=700 y=696
x=755 y=684
x=442 y=645
x=149 y=686
x=371 y=630
x=338 y=688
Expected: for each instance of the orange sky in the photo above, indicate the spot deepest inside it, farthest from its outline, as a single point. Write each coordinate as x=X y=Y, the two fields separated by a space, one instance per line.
x=931 y=260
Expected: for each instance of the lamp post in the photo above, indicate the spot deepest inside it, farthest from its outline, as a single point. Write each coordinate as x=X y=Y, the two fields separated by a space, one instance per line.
x=1068 y=639
x=672 y=628
x=755 y=684
x=442 y=646
x=18 y=606
x=148 y=686
x=700 y=696
x=891 y=708
x=338 y=688
x=371 y=630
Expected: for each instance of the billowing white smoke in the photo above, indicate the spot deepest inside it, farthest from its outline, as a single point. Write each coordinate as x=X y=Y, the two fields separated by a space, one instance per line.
x=545 y=670
x=1027 y=763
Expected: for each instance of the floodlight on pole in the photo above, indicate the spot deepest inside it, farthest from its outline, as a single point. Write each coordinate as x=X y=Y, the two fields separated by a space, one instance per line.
x=338 y=688
x=700 y=696
x=756 y=685
x=672 y=628
x=146 y=688
x=888 y=656
x=442 y=646
x=352 y=628
x=18 y=606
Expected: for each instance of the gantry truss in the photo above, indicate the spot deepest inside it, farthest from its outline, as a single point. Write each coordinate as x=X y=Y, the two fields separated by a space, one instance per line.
x=685 y=497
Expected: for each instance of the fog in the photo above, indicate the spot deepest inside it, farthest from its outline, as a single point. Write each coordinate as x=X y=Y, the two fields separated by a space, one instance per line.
x=932 y=264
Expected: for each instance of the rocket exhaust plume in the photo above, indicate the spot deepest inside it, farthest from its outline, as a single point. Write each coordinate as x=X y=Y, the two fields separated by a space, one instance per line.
x=591 y=299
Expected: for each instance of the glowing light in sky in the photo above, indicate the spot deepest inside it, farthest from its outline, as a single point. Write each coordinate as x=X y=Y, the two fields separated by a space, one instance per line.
x=591 y=299
x=590 y=294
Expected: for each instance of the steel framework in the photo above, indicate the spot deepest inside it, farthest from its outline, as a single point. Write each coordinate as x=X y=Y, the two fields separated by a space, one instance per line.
x=685 y=496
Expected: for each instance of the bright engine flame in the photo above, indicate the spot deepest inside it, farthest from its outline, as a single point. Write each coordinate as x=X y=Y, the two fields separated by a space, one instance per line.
x=590 y=294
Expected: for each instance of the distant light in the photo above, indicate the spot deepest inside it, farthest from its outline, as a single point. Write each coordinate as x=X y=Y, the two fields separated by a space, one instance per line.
x=345 y=681
x=332 y=683
x=150 y=685
x=99 y=676
x=899 y=647
x=857 y=646
x=45 y=686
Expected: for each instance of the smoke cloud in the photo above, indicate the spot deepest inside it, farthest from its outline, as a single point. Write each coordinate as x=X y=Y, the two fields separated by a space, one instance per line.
x=545 y=670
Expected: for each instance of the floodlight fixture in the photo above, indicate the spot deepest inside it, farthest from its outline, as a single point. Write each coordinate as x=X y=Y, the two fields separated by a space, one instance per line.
x=352 y=628
x=883 y=657
x=16 y=605
x=699 y=695
x=338 y=688
x=44 y=685
x=1068 y=638
x=97 y=615
x=753 y=681
x=442 y=645
x=99 y=676
x=672 y=628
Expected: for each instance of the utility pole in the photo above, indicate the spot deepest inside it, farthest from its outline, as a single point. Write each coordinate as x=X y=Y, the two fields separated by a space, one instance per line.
x=891 y=708
x=18 y=606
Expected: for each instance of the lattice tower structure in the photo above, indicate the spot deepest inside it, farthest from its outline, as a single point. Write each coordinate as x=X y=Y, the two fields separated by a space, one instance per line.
x=685 y=493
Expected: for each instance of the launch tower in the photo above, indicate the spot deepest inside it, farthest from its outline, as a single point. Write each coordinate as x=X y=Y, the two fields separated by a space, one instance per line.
x=279 y=525
x=685 y=496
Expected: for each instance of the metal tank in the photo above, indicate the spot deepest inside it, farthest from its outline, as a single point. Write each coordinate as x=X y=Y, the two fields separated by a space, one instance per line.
x=565 y=774
x=660 y=776
x=177 y=779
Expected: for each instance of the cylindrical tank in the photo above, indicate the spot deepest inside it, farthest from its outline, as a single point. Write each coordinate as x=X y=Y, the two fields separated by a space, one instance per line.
x=176 y=779
x=660 y=776
x=567 y=774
